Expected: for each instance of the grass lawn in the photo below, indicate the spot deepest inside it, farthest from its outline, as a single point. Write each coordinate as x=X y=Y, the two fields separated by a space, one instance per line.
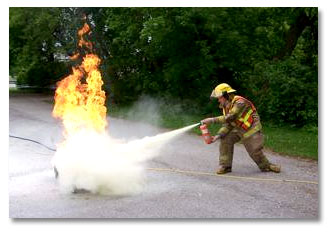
x=292 y=141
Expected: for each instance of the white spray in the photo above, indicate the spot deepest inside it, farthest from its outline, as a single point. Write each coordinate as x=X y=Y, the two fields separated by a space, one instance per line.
x=103 y=165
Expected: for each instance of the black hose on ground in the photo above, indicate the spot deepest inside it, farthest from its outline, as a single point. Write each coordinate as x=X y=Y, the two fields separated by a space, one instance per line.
x=30 y=140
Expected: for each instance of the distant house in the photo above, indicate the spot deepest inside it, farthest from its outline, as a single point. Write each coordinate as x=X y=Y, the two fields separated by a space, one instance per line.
x=61 y=57
x=12 y=82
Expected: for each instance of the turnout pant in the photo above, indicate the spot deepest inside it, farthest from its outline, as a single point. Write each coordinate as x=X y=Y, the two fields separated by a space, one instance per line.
x=253 y=145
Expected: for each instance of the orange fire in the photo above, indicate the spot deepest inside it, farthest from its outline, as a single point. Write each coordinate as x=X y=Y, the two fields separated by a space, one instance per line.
x=75 y=56
x=84 y=30
x=81 y=105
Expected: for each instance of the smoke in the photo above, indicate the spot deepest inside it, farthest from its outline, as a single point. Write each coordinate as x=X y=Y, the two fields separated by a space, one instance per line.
x=100 y=164
x=154 y=110
x=146 y=109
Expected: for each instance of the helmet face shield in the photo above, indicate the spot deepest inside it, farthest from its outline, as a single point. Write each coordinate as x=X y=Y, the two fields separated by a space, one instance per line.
x=213 y=95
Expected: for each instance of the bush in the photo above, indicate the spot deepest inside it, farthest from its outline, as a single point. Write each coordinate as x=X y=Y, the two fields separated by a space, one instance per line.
x=286 y=92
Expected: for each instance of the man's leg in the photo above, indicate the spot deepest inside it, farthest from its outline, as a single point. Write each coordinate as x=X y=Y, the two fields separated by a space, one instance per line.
x=226 y=152
x=254 y=146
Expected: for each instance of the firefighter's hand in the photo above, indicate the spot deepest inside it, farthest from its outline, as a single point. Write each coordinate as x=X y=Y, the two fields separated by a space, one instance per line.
x=215 y=138
x=207 y=121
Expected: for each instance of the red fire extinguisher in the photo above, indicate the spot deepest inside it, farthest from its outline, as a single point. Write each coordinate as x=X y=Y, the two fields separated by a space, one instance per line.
x=205 y=133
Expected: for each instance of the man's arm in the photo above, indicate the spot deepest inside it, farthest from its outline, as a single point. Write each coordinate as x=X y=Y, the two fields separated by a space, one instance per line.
x=222 y=132
x=233 y=114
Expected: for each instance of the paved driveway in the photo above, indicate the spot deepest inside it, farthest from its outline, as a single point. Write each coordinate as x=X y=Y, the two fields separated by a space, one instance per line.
x=180 y=181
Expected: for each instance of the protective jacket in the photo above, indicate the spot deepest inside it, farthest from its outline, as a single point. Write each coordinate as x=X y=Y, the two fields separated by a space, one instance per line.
x=239 y=114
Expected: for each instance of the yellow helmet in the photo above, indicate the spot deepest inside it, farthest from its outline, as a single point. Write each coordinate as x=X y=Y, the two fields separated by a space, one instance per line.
x=221 y=89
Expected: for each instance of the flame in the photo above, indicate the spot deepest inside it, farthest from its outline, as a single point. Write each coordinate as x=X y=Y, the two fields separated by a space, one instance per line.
x=84 y=30
x=81 y=105
x=75 y=56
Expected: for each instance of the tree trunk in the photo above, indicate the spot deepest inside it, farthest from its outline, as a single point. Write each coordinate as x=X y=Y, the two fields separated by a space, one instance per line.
x=291 y=38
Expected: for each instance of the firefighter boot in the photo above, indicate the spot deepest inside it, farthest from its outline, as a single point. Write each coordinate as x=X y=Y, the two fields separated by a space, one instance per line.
x=271 y=168
x=223 y=170
x=275 y=168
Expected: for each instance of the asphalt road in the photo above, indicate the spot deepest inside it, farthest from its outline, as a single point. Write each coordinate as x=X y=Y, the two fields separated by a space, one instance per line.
x=191 y=191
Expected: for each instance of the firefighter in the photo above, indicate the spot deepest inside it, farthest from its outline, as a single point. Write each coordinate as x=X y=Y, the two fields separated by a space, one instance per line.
x=241 y=122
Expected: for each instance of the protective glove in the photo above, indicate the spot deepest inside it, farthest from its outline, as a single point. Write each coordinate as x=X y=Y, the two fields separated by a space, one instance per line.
x=207 y=121
x=215 y=138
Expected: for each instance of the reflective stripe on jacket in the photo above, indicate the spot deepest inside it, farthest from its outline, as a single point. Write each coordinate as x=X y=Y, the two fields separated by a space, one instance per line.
x=239 y=114
x=245 y=121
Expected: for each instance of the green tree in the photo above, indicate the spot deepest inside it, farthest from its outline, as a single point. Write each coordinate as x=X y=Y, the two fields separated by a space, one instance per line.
x=33 y=47
x=268 y=54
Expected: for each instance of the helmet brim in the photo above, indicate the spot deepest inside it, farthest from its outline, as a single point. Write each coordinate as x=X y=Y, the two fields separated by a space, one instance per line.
x=231 y=91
